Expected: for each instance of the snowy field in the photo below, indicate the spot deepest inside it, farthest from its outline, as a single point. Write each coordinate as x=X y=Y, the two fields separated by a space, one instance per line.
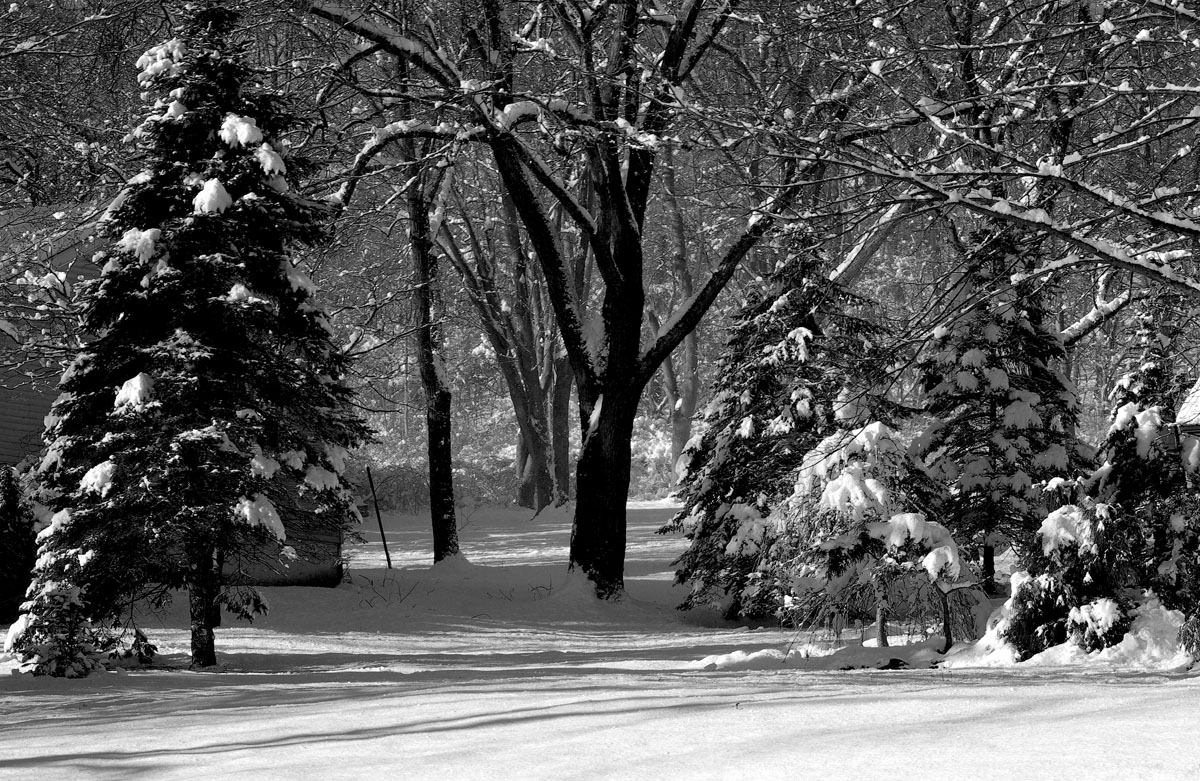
x=505 y=668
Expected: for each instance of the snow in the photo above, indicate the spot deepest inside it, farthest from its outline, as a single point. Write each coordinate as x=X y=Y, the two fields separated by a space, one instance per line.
x=297 y=279
x=1066 y=527
x=212 y=198
x=161 y=60
x=259 y=511
x=140 y=243
x=269 y=159
x=320 y=478
x=263 y=466
x=241 y=131
x=134 y=394
x=506 y=668
x=98 y=479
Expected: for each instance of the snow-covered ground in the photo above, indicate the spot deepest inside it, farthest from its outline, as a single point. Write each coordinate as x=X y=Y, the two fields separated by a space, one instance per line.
x=506 y=668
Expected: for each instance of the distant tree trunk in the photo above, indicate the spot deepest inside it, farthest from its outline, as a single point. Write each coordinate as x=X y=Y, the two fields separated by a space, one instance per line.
x=560 y=426
x=508 y=322
x=881 y=612
x=683 y=381
x=988 y=569
x=526 y=490
x=947 y=632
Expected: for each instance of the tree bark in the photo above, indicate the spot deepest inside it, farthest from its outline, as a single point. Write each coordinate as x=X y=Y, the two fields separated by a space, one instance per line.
x=988 y=569
x=598 y=533
x=560 y=427
x=881 y=612
x=947 y=632
x=202 y=602
x=437 y=393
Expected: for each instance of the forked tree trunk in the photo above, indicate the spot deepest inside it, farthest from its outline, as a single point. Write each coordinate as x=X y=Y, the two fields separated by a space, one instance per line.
x=560 y=427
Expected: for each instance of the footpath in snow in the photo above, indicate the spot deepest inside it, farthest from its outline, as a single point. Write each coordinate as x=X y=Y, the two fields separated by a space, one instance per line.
x=505 y=667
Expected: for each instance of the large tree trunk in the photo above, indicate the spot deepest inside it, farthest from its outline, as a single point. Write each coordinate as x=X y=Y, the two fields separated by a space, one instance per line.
x=602 y=475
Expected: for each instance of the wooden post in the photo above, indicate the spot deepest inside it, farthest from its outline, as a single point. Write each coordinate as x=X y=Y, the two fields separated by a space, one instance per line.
x=379 y=518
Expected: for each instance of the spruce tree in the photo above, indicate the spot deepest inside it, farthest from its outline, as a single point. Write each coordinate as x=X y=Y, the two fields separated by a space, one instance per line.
x=209 y=404
x=1130 y=529
x=1004 y=413
x=792 y=352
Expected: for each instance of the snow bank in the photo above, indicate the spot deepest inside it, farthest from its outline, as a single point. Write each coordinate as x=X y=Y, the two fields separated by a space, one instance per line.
x=811 y=656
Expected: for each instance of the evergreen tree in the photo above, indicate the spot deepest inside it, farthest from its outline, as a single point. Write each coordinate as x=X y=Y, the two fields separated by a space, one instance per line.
x=792 y=351
x=1128 y=531
x=1004 y=414
x=209 y=404
x=858 y=528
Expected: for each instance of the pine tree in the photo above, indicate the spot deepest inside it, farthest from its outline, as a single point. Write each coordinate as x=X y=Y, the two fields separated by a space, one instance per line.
x=1004 y=413
x=209 y=403
x=784 y=368
x=1130 y=528
x=862 y=525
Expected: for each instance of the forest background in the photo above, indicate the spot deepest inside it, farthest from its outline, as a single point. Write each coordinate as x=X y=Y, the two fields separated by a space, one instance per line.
x=548 y=213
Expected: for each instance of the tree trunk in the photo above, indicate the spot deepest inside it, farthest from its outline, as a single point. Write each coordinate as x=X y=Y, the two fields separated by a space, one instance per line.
x=437 y=392
x=560 y=427
x=441 y=474
x=202 y=602
x=881 y=611
x=684 y=407
x=989 y=569
x=947 y=632
x=598 y=533
x=526 y=490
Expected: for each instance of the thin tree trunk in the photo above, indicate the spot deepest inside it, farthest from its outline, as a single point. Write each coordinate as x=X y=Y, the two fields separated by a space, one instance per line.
x=881 y=612
x=947 y=633
x=437 y=391
x=560 y=427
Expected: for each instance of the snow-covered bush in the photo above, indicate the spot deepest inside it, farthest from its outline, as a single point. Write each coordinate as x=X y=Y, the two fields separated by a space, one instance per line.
x=792 y=351
x=877 y=545
x=1035 y=615
x=1082 y=591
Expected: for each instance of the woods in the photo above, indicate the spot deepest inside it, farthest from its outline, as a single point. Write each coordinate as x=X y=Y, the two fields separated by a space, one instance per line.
x=813 y=268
